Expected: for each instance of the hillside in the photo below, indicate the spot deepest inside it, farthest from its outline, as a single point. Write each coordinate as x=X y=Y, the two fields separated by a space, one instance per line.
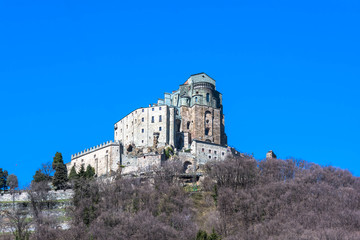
x=239 y=198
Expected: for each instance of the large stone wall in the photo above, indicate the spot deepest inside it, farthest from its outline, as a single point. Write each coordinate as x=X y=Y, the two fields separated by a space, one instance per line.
x=23 y=196
x=206 y=151
x=203 y=123
x=141 y=163
x=104 y=158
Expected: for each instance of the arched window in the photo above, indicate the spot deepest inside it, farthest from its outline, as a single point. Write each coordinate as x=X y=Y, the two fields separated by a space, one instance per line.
x=195 y=99
x=208 y=97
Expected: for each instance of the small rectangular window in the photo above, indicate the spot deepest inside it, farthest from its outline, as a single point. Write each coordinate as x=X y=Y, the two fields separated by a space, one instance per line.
x=209 y=150
x=215 y=152
x=142 y=110
x=160 y=120
x=142 y=141
x=159 y=128
x=159 y=108
x=152 y=119
x=202 y=150
x=153 y=109
x=142 y=130
x=223 y=153
x=142 y=119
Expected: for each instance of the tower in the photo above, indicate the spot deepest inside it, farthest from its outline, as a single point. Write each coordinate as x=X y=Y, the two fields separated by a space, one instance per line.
x=201 y=111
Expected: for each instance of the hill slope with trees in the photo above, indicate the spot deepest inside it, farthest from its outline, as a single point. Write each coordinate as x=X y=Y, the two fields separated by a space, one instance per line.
x=239 y=198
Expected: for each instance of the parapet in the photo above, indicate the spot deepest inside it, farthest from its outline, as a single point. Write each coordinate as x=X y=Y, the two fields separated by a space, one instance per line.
x=95 y=148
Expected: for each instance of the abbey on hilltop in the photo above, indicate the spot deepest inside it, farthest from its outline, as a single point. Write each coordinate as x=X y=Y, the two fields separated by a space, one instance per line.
x=188 y=122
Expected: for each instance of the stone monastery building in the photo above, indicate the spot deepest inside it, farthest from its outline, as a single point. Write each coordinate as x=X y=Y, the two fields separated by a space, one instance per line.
x=190 y=120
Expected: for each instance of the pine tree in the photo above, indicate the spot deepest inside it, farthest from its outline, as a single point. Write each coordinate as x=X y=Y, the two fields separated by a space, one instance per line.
x=201 y=235
x=82 y=173
x=58 y=159
x=73 y=174
x=60 y=177
x=214 y=236
x=3 y=179
x=90 y=172
x=40 y=176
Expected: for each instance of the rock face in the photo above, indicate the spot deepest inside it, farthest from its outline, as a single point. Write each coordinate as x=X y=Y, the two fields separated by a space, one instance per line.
x=189 y=117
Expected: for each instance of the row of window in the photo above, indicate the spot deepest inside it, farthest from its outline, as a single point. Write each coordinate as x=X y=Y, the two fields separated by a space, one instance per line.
x=142 y=120
x=142 y=141
x=215 y=152
x=143 y=130
x=153 y=119
x=207 y=98
x=142 y=110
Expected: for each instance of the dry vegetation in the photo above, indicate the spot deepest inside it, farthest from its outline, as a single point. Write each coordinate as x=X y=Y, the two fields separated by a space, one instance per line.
x=241 y=198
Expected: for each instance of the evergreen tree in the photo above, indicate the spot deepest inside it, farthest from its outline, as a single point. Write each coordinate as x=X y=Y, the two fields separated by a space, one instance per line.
x=57 y=160
x=214 y=236
x=3 y=179
x=40 y=176
x=73 y=174
x=90 y=172
x=82 y=173
x=201 y=235
x=60 y=177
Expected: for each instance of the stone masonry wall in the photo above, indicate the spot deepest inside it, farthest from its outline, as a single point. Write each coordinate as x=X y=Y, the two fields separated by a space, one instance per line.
x=206 y=151
x=196 y=119
x=104 y=158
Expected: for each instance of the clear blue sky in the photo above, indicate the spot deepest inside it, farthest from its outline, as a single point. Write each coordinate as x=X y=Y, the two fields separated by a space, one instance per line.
x=289 y=72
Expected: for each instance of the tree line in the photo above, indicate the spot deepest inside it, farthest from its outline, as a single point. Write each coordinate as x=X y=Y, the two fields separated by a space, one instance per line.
x=56 y=173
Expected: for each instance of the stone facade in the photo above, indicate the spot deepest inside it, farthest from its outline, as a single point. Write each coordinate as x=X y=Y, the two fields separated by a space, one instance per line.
x=141 y=126
x=190 y=120
x=206 y=151
x=270 y=155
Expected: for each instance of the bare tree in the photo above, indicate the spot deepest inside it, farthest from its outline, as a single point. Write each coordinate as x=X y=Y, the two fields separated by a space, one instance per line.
x=12 y=182
x=18 y=223
x=47 y=169
x=41 y=203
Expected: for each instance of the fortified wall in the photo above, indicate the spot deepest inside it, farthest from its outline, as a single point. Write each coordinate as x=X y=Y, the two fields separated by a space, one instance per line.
x=188 y=121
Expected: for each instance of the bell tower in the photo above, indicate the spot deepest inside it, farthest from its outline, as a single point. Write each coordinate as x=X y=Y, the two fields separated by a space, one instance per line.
x=201 y=111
